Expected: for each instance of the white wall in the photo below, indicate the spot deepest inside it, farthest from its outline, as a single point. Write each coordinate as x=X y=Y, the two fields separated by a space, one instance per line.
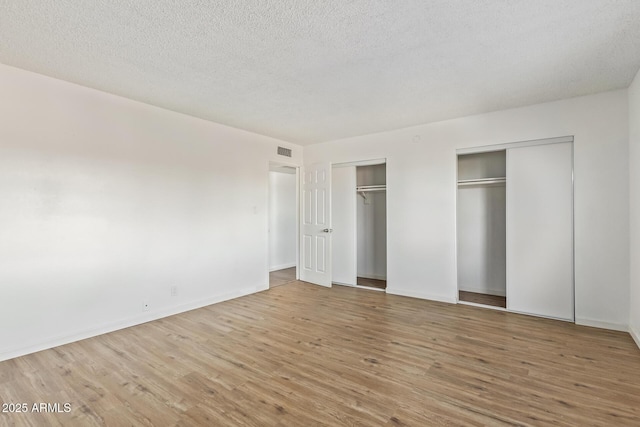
x=282 y=220
x=634 y=192
x=107 y=203
x=421 y=195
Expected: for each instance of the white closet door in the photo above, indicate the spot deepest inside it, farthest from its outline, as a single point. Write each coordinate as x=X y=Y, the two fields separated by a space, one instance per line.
x=343 y=218
x=540 y=230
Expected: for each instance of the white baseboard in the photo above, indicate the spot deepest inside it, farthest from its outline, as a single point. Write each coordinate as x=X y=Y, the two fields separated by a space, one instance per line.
x=122 y=324
x=430 y=297
x=498 y=292
x=602 y=325
x=282 y=266
x=635 y=335
x=488 y=307
x=343 y=284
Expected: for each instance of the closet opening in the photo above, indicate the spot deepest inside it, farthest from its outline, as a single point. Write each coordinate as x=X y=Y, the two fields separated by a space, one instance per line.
x=283 y=228
x=371 y=186
x=514 y=234
x=359 y=220
x=481 y=228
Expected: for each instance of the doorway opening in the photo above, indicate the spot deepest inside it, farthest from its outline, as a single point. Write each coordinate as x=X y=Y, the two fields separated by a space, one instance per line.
x=359 y=220
x=283 y=225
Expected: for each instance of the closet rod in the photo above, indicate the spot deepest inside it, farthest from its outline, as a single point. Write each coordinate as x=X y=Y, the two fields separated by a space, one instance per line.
x=368 y=190
x=364 y=189
x=482 y=181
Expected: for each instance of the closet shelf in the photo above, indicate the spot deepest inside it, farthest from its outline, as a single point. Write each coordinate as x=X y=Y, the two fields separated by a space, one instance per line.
x=482 y=181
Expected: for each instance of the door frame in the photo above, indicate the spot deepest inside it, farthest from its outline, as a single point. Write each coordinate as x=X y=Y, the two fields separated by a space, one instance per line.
x=296 y=167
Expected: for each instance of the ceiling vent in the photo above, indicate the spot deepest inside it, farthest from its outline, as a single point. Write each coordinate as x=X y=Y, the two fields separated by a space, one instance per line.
x=284 y=151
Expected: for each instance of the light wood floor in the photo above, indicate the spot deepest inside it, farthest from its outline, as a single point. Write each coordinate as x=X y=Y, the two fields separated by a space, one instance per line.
x=303 y=355
x=372 y=283
x=493 y=300
x=282 y=277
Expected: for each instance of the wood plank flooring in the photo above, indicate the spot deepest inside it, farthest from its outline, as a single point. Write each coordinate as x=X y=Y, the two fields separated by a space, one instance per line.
x=493 y=300
x=304 y=355
x=282 y=277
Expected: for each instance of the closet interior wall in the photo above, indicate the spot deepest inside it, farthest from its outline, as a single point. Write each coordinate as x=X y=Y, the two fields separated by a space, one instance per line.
x=481 y=223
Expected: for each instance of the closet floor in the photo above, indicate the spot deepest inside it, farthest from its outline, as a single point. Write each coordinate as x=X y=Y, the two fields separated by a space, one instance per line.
x=493 y=300
x=371 y=283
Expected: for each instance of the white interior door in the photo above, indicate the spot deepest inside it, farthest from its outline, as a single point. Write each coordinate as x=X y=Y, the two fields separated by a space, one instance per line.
x=315 y=235
x=539 y=222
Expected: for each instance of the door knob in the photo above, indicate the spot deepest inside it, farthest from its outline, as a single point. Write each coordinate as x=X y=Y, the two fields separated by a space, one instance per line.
x=327 y=230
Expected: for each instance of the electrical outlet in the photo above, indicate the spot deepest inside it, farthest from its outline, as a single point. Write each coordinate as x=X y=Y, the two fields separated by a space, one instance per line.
x=145 y=306
x=174 y=291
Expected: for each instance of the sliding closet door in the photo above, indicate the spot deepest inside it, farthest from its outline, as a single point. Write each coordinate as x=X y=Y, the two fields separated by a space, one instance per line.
x=343 y=218
x=540 y=230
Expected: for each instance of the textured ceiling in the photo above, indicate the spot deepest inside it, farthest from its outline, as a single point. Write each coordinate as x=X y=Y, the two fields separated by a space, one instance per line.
x=308 y=71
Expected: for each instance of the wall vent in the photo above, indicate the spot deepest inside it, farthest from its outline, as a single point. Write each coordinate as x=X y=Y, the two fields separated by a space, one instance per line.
x=284 y=151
